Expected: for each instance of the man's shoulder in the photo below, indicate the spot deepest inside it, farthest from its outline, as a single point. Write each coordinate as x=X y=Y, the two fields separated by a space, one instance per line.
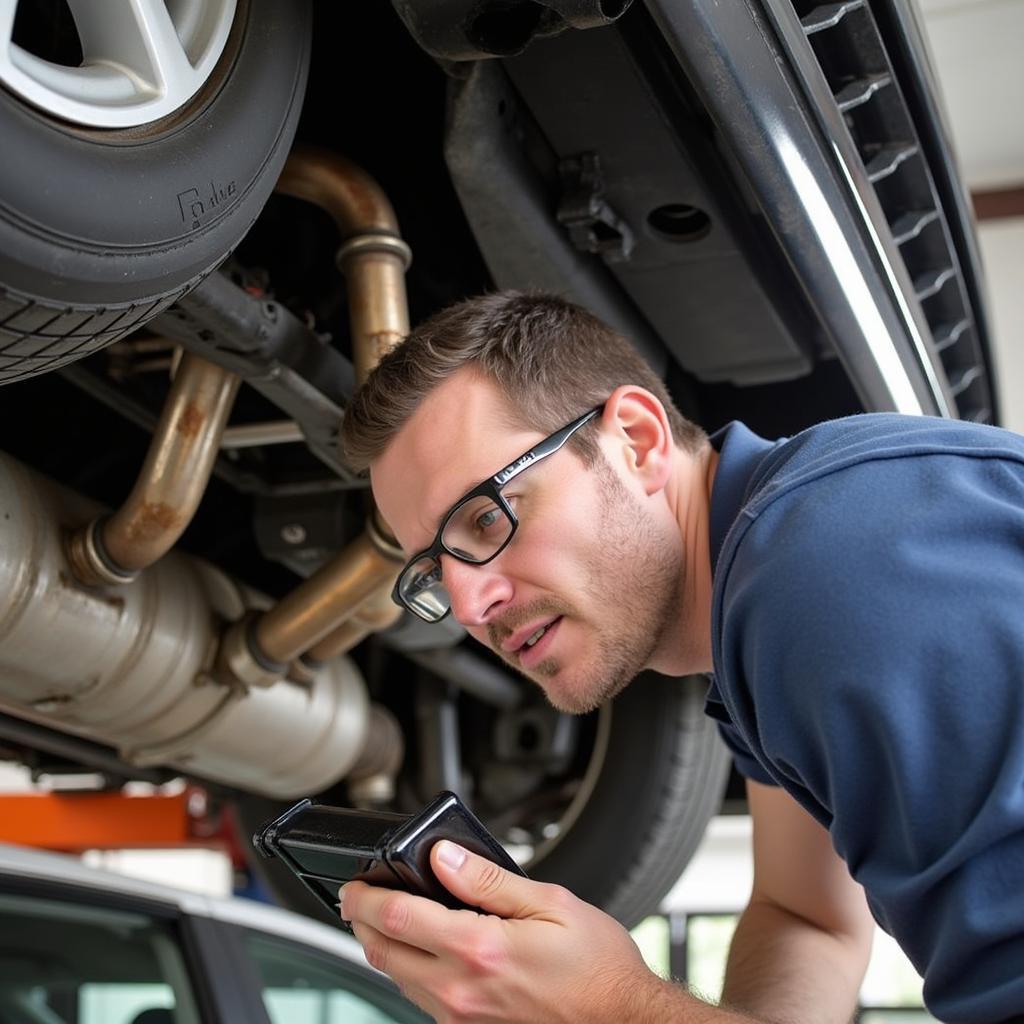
x=873 y=439
x=854 y=511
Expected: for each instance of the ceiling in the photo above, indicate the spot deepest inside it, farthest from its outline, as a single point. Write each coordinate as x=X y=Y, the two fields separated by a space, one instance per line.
x=976 y=46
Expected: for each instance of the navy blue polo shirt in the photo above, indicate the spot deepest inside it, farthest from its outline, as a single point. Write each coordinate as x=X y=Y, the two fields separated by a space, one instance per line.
x=868 y=640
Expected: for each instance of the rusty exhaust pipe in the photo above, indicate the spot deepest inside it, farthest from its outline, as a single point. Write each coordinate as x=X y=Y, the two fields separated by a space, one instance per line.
x=113 y=549
x=377 y=612
x=372 y=256
x=318 y=606
x=210 y=707
x=373 y=259
x=132 y=667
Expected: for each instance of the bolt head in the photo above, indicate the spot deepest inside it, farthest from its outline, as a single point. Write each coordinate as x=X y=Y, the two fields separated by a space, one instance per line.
x=293 y=533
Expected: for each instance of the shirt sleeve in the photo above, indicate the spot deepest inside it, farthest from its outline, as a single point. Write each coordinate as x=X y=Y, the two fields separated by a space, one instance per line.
x=876 y=630
x=746 y=764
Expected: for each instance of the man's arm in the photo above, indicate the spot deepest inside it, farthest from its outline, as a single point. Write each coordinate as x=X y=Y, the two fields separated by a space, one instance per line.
x=543 y=954
x=802 y=945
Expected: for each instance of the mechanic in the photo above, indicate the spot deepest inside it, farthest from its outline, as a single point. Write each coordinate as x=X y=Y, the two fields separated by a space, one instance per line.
x=857 y=594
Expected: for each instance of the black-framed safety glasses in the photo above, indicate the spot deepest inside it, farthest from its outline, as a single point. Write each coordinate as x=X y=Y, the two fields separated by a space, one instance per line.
x=476 y=529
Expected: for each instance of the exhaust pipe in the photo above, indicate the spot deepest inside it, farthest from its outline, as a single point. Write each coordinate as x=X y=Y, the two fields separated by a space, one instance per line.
x=134 y=666
x=313 y=618
x=114 y=549
x=178 y=665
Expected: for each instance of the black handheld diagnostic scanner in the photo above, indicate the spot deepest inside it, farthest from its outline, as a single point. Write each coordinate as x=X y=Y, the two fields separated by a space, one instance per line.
x=328 y=846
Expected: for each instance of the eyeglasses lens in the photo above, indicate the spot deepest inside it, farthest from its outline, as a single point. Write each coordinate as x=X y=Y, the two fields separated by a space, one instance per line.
x=474 y=532
x=421 y=588
x=477 y=529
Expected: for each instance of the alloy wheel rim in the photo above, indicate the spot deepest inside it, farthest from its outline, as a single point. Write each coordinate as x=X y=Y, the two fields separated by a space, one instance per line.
x=141 y=60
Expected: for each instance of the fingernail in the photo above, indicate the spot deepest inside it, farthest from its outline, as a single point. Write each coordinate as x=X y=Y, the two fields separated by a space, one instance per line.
x=450 y=855
x=341 y=901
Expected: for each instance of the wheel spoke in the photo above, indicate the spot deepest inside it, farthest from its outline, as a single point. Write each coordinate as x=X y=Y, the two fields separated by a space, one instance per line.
x=137 y=36
x=141 y=59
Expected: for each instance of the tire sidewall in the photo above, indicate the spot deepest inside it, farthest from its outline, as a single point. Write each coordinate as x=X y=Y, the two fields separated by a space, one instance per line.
x=661 y=779
x=92 y=218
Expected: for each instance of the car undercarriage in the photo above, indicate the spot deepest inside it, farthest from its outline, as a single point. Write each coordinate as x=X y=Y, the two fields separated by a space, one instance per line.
x=759 y=196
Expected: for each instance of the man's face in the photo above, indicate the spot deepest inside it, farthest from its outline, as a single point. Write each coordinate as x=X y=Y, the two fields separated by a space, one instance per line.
x=591 y=568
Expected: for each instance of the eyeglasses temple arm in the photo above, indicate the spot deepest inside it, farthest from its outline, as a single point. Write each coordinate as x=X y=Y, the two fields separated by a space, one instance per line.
x=547 y=447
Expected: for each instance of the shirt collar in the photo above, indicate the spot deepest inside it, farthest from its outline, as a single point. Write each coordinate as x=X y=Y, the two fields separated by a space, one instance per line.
x=740 y=452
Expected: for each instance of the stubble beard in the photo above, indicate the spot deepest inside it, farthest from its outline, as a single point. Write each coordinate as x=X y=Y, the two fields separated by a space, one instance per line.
x=635 y=577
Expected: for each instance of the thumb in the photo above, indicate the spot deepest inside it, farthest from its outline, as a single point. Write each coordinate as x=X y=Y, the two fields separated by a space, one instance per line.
x=482 y=883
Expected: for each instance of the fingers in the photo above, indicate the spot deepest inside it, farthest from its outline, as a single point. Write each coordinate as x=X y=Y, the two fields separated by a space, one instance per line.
x=415 y=921
x=463 y=965
x=481 y=883
x=397 y=959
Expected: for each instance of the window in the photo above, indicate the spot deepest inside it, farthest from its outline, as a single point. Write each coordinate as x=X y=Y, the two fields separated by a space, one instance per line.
x=304 y=986
x=63 y=962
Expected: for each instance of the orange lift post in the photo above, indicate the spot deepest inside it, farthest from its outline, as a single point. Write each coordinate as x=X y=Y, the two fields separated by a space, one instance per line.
x=73 y=822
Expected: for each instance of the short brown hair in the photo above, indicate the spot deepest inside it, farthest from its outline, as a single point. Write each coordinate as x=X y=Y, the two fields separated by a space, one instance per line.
x=551 y=359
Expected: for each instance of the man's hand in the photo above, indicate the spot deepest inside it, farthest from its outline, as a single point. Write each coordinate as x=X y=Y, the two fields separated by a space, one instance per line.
x=544 y=955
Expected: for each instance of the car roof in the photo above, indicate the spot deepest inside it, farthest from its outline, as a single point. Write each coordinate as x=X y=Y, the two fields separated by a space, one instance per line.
x=25 y=862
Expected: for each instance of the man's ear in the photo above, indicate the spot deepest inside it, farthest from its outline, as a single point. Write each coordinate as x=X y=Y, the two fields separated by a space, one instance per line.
x=637 y=426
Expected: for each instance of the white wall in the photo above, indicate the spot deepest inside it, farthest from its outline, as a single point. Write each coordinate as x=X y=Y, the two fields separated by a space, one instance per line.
x=1002 y=252
x=976 y=48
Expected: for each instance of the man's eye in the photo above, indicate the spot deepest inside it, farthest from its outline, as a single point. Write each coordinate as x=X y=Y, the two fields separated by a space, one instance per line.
x=487 y=519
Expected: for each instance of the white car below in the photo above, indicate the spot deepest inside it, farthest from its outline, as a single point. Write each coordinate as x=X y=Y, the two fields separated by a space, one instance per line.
x=81 y=946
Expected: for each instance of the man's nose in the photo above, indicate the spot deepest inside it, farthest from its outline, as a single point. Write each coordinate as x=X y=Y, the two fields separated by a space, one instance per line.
x=478 y=592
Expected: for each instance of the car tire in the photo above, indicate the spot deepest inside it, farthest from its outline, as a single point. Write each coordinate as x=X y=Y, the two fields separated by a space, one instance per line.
x=153 y=209
x=661 y=777
x=655 y=777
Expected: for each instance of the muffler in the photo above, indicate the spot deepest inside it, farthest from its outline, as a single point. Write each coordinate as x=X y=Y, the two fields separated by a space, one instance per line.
x=133 y=666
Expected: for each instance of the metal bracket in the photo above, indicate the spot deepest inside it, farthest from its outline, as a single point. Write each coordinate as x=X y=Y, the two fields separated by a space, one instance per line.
x=271 y=349
x=592 y=224
x=466 y=30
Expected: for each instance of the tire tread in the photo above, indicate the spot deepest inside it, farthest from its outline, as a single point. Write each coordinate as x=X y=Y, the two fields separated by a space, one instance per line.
x=37 y=336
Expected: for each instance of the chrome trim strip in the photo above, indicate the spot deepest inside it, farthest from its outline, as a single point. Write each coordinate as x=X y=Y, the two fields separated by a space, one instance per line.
x=805 y=66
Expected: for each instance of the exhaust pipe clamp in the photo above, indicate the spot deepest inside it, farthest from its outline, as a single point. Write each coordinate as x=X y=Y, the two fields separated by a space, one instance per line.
x=89 y=560
x=244 y=661
x=378 y=241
